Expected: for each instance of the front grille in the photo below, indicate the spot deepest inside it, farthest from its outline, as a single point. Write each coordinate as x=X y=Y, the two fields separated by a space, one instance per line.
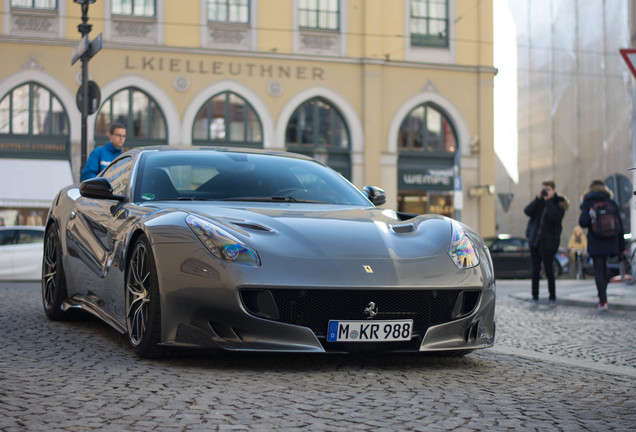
x=314 y=308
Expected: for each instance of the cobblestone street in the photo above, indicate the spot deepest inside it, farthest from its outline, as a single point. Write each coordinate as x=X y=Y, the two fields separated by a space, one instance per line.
x=567 y=369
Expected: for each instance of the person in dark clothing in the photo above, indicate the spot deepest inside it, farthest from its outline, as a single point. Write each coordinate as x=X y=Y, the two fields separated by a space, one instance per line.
x=544 y=228
x=102 y=156
x=600 y=248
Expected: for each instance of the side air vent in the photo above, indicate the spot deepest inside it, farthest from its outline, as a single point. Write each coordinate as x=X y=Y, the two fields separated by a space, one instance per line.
x=466 y=302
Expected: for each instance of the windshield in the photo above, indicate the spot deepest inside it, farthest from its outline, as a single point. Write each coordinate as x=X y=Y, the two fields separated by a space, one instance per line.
x=233 y=176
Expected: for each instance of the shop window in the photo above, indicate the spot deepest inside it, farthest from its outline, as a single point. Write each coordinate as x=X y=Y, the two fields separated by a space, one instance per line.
x=33 y=123
x=139 y=113
x=317 y=129
x=426 y=202
x=427 y=129
x=227 y=119
x=229 y=11
x=428 y=23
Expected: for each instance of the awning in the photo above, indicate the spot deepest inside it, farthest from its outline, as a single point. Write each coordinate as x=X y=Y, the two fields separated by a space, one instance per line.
x=32 y=183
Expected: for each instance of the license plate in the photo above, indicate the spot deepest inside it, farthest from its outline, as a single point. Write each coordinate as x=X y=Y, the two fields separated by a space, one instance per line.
x=369 y=331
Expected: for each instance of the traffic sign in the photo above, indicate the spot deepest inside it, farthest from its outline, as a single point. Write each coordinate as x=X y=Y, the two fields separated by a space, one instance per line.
x=629 y=55
x=94 y=97
x=95 y=46
x=79 y=49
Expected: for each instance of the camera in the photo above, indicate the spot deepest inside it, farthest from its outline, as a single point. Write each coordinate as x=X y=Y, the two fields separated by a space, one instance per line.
x=544 y=193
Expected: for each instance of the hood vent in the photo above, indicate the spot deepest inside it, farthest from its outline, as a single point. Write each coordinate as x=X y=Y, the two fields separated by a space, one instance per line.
x=403 y=229
x=251 y=226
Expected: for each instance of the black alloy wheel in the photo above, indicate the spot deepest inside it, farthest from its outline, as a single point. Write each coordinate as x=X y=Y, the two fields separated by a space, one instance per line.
x=53 y=278
x=143 y=309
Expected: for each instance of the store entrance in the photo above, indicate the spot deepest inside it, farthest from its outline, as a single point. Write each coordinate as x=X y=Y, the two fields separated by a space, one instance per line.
x=426 y=202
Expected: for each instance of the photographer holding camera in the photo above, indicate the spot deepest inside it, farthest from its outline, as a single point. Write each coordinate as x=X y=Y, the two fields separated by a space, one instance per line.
x=546 y=212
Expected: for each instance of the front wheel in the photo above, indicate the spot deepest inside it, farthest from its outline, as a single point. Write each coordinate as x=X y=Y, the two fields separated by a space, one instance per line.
x=53 y=279
x=143 y=308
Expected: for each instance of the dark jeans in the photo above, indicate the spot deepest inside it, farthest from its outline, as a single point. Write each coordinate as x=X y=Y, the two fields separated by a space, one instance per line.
x=601 y=276
x=537 y=259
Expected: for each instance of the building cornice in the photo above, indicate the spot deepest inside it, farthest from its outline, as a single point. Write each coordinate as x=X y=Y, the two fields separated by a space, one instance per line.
x=262 y=55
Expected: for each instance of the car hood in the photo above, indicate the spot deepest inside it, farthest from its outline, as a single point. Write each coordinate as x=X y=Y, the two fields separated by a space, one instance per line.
x=327 y=231
x=329 y=244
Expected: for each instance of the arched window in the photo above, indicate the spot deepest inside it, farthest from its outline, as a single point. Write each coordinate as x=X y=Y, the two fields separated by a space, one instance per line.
x=427 y=129
x=141 y=115
x=427 y=146
x=317 y=129
x=33 y=123
x=227 y=119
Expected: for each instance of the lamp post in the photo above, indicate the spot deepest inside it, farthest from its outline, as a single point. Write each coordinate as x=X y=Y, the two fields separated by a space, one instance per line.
x=85 y=53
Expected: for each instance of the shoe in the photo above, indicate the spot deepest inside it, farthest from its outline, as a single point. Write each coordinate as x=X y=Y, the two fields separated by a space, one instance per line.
x=534 y=303
x=552 y=303
x=602 y=306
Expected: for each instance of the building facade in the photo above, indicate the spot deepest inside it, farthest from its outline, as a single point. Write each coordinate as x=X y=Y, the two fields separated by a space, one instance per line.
x=574 y=104
x=397 y=94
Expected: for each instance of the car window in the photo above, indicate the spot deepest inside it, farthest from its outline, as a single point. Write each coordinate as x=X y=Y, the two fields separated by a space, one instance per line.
x=118 y=174
x=30 y=236
x=512 y=245
x=210 y=175
x=6 y=237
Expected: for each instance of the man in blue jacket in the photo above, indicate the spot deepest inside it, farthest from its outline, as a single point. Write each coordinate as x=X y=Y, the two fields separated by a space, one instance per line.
x=102 y=156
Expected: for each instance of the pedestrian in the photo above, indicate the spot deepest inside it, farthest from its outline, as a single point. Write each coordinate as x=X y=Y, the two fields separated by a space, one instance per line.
x=577 y=246
x=544 y=228
x=102 y=156
x=604 y=239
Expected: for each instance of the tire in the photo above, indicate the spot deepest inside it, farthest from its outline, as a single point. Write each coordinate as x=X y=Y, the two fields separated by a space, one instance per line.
x=579 y=271
x=627 y=270
x=54 y=290
x=143 y=307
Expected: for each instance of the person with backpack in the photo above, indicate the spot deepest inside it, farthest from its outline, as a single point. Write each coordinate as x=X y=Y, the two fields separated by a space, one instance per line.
x=600 y=215
x=544 y=228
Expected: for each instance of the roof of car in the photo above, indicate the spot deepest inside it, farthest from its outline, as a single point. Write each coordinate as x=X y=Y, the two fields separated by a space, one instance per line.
x=272 y=152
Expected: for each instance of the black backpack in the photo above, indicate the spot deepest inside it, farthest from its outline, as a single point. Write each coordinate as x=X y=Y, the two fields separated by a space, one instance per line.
x=605 y=223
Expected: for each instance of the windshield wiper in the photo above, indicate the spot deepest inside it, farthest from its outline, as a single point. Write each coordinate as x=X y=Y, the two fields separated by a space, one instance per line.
x=274 y=199
x=187 y=198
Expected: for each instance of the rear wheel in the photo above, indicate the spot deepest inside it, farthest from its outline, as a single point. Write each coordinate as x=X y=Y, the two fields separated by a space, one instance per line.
x=143 y=308
x=627 y=266
x=53 y=278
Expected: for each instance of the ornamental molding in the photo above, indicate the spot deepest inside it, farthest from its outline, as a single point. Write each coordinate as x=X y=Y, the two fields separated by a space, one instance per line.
x=32 y=64
x=33 y=23
x=133 y=29
x=225 y=36
x=318 y=42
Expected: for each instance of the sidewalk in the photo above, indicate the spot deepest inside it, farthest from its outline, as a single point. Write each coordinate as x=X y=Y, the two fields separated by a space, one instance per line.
x=583 y=293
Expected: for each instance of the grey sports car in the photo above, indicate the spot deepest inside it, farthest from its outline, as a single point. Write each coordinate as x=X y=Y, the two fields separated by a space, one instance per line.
x=255 y=250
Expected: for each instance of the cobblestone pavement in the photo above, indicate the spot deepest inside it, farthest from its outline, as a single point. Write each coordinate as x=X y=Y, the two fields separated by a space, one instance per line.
x=606 y=340
x=81 y=376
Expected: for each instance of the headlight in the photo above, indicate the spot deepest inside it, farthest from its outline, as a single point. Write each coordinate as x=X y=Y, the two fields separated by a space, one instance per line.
x=461 y=249
x=222 y=244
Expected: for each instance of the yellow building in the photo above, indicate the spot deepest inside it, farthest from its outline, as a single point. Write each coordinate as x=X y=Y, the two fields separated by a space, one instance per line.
x=393 y=93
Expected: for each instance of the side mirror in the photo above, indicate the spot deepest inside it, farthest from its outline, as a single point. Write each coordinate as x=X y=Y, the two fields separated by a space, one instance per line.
x=375 y=195
x=99 y=188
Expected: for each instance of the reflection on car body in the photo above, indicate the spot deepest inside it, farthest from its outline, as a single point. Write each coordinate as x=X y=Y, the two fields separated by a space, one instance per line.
x=261 y=250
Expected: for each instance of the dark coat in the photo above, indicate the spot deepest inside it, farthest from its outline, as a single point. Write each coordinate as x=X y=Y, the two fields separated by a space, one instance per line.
x=544 y=226
x=597 y=246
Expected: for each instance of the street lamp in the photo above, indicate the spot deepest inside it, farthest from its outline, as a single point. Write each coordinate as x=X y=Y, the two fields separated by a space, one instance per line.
x=84 y=52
